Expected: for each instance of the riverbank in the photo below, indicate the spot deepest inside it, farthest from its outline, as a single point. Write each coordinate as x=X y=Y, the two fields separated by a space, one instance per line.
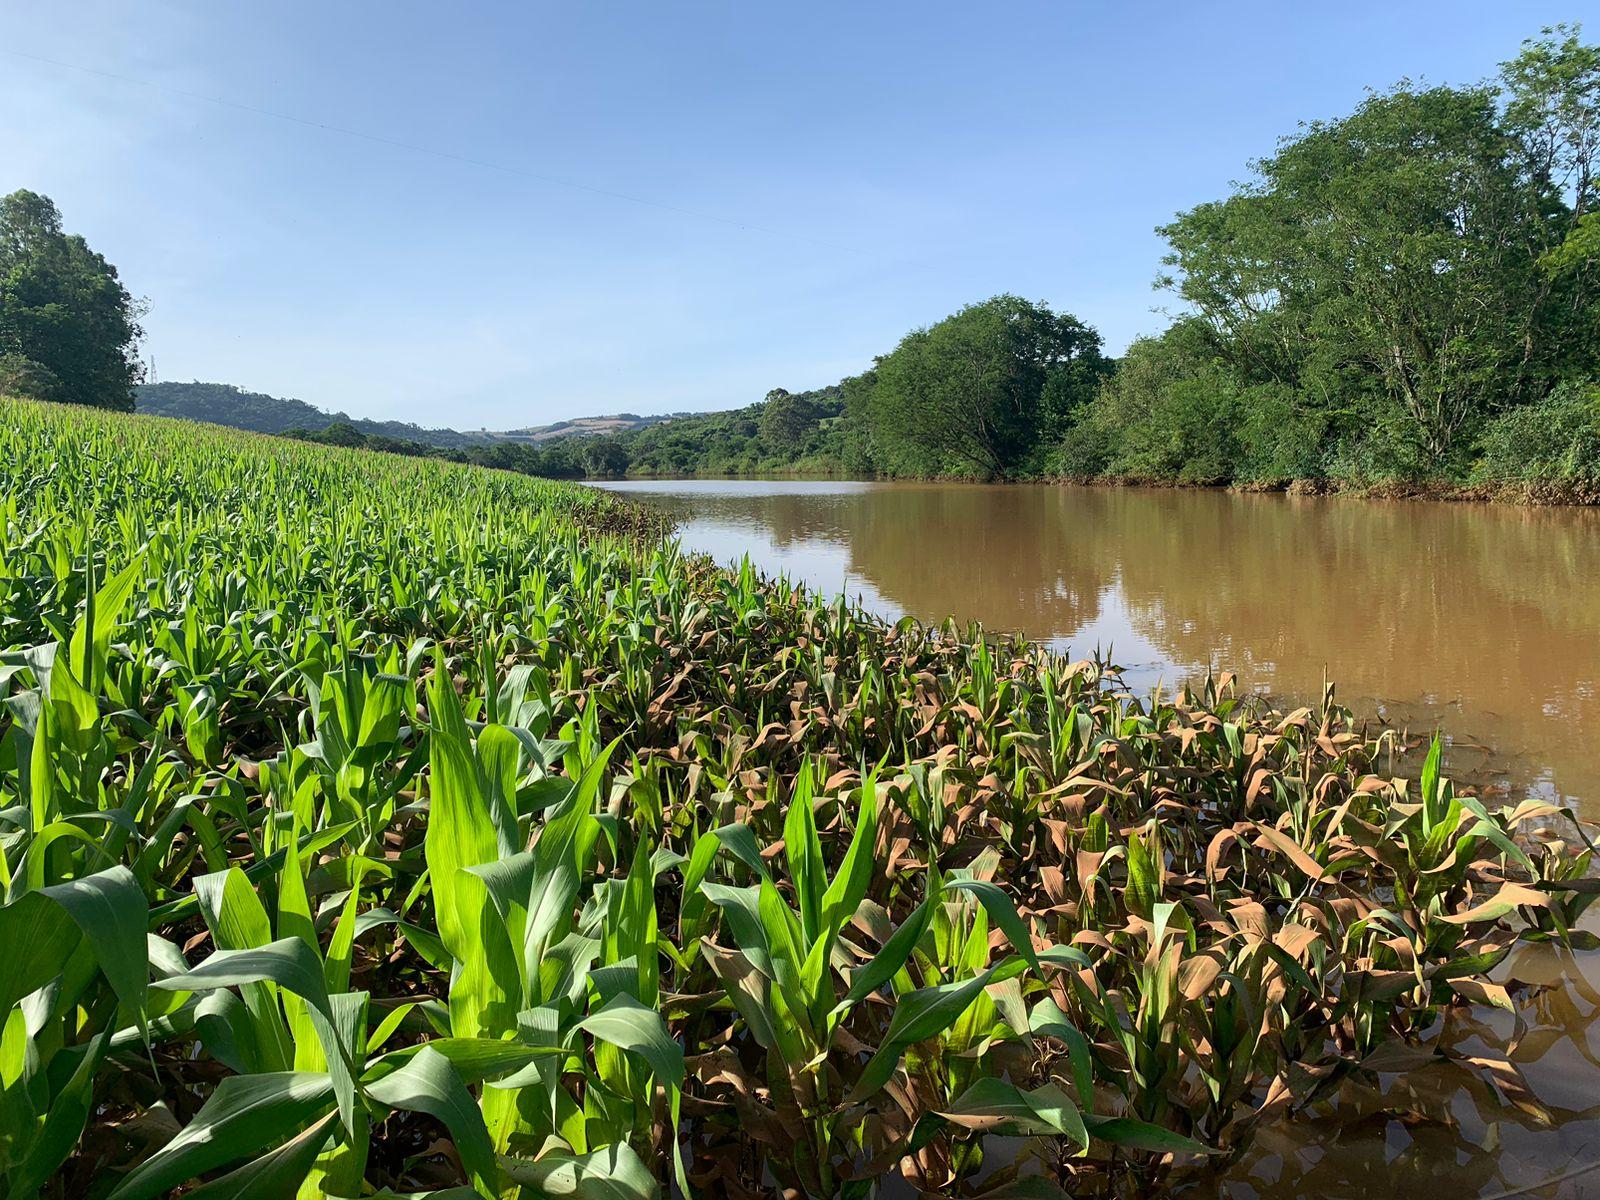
x=1582 y=494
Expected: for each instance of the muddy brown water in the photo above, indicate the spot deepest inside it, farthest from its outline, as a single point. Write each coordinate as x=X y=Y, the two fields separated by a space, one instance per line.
x=1481 y=621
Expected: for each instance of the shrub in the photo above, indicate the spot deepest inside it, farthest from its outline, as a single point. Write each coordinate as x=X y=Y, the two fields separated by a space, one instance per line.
x=1282 y=438
x=22 y=377
x=1554 y=440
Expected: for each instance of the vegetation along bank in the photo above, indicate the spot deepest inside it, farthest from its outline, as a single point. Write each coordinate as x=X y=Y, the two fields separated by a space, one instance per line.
x=378 y=825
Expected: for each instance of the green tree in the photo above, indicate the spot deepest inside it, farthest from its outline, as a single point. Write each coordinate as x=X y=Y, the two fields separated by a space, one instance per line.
x=787 y=419
x=1555 y=440
x=974 y=394
x=1384 y=264
x=341 y=433
x=604 y=458
x=1581 y=250
x=63 y=307
x=1553 y=106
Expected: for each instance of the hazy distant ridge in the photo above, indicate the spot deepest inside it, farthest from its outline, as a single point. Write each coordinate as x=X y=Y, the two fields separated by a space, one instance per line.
x=225 y=404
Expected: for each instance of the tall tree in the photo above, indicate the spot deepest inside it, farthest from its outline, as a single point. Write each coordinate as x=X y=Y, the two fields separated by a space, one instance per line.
x=604 y=458
x=1552 y=105
x=787 y=418
x=1389 y=254
x=63 y=307
x=973 y=394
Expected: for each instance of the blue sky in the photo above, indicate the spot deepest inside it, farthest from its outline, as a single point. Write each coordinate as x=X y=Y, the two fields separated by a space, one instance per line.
x=820 y=177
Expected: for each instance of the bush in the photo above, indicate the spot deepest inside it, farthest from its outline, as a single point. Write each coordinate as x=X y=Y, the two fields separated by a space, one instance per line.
x=1167 y=413
x=22 y=377
x=1189 y=434
x=1282 y=439
x=1087 y=447
x=1554 y=440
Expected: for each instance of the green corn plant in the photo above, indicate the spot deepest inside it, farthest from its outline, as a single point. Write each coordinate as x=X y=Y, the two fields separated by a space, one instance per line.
x=360 y=746
x=1137 y=1032
x=1563 y=872
x=75 y=977
x=782 y=974
x=524 y=971
x=944 y=1032
x=292 y=1019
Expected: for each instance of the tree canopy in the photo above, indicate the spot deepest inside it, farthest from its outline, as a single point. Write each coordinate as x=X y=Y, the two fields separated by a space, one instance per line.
x=977 y=392
x=1386 y=288
x=63 y=310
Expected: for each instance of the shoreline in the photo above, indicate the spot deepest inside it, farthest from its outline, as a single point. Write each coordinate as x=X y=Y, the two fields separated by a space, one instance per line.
x=1526 y=495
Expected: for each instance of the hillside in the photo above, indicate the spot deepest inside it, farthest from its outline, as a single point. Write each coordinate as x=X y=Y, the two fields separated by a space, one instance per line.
x=226 y=404
x=805 y=432
x=616 y=423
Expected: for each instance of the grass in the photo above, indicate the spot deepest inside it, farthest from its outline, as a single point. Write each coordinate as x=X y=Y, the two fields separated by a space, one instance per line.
x=377 y=826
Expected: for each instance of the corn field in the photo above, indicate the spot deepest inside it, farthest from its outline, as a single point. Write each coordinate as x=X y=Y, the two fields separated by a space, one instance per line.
x=381 y=827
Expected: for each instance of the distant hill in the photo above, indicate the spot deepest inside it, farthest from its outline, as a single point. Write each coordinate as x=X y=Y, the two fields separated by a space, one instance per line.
x=224 y=404
x=588 y=427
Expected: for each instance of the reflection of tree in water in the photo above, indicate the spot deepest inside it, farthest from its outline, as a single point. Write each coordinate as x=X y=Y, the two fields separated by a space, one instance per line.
x=787 y=519
x=976 y=553
x=1484 y=619
x=1472 y=593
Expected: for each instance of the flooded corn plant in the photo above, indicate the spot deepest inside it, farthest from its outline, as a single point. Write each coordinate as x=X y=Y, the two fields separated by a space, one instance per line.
x=377 y=826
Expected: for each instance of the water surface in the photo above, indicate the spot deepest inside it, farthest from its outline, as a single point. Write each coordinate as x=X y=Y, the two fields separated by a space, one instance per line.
x=1482 y=620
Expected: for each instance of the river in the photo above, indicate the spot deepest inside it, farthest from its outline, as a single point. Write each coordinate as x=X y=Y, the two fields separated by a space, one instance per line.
x=1481 y=621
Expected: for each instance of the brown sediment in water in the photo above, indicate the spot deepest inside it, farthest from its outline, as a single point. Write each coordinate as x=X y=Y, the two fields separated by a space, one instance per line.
x=1481 y=621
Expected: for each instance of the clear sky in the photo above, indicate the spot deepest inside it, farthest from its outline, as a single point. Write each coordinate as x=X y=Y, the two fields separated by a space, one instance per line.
x=807 y=181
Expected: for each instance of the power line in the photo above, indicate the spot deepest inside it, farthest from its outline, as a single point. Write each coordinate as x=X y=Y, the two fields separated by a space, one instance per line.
x=413 y=147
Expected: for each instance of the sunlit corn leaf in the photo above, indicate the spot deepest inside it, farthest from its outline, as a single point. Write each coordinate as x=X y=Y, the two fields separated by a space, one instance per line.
x=992 y=1104
x=626 y=1023
x=275 y=1174
x=610 y=1173
x=923 y=1014
x=1132 y=1134
x=428 y=1084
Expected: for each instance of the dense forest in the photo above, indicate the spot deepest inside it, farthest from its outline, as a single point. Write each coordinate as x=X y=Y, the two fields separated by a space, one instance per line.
x=1404 y=297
